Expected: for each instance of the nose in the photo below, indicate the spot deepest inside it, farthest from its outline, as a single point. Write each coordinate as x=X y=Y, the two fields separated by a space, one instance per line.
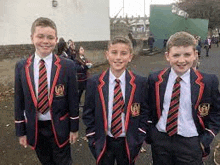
x=181 y=58
x=118 y=55
x=45 y=40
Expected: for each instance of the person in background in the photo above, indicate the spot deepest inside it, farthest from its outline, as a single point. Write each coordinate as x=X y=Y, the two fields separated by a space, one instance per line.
x=82 y=65
x=71 y=51
x=151 y=42
x=207 y=45
x=62 y=48
x=199 y=46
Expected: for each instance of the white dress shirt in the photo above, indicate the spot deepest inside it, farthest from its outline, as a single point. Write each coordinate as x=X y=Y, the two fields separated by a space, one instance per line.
x=111 y=98
x=186 y=126
x=48 y=65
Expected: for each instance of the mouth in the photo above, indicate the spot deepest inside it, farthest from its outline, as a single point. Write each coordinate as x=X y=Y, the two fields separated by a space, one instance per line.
x=46 y=47
x=181 y=65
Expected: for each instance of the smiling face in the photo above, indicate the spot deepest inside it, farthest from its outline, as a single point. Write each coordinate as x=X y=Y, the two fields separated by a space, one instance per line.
x=118 y=56
x=181 y=58
x=44 y=40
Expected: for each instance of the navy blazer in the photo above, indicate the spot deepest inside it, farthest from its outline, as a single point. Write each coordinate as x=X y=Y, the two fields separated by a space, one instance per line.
x=204 y=91
x=95 y=113
x=63 y=100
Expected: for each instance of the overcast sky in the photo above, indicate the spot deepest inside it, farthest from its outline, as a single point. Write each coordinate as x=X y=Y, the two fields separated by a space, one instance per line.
x=134 y=7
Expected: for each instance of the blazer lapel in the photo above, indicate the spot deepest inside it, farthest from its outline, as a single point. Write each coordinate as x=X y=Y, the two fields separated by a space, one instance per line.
x=103 y=93
x=160 y=88
x=29 y=72
x=128 y=88
x=56 y=66
x=129 y=95
x=197 y=87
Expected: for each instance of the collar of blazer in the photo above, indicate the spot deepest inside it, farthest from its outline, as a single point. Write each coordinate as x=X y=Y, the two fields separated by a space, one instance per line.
x=103 y=92
x=197 y=88
x=30 y=77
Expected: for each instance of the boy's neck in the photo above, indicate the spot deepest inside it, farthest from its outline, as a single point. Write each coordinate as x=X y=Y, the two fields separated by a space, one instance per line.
x=117 y=74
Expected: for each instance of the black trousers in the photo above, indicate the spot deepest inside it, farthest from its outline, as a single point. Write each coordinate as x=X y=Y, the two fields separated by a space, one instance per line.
x=175 y=150
x=47 y=150
x=115 y=151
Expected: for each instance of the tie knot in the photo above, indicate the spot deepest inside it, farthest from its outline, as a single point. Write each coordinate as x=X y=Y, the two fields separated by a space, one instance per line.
x=178 y=79
x=42 y=61
x=117 y=80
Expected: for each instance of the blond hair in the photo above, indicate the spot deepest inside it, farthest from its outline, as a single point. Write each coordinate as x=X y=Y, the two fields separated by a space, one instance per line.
x=43 y=22
x=123 y=40
x=181 y=39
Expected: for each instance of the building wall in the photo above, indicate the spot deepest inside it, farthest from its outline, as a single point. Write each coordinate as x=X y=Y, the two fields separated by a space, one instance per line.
x=79 y=20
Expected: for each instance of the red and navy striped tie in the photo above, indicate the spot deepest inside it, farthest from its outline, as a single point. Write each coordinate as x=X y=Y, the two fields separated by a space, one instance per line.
x=172 y=118
x=43 y=101
x=118 y=107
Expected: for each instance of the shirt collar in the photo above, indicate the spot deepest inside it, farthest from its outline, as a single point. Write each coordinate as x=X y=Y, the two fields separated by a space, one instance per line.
x=185 y=77
x=46 y=59
x=112 y=77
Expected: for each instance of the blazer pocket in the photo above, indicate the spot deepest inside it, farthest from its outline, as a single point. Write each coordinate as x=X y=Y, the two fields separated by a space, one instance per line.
x=64 y=117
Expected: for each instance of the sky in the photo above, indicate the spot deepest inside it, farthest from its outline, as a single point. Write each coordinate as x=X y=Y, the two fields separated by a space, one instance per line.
x=134 y=7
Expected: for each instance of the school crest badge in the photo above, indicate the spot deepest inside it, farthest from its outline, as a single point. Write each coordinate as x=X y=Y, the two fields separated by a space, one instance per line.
x=135 y=109
x=59 y=90
x=204 y=109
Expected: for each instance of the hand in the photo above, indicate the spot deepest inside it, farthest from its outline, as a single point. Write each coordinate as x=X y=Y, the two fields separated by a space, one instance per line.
x=73 y=137
x=23 y=141
x=89 y=65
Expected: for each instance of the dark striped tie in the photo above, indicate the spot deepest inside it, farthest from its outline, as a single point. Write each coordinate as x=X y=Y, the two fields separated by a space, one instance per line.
x=43 y=103
x=171 y=126
x=118 y=107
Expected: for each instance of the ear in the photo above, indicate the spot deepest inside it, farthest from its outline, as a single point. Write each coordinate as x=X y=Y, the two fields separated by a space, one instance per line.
x=166 y=54
x=131 y=56
x=106 y=54
x=31 y=38
x=196 y=54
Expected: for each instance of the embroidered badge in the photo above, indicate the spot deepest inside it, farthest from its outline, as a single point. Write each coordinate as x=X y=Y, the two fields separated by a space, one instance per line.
x=204 y=109
x=59 y=90
x=135 y=109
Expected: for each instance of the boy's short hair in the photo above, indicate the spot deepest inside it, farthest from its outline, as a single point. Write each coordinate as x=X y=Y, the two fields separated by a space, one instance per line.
x=181 y=39
x=123 y=40
x=44 y=22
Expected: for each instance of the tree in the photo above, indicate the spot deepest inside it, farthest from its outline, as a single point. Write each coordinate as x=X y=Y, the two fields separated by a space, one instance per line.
x=204 y=9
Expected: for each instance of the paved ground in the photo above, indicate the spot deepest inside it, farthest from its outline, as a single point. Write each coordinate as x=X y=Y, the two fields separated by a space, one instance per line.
x=12 y=154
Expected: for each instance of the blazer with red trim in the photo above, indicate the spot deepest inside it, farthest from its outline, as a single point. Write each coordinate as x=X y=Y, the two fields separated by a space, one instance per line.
x=204 y=91
x=95 y=113
x=63 y=100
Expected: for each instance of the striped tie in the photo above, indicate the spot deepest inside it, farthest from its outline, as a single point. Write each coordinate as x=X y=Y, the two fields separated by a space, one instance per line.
x=43 y=103
x=171 y=126
x=118 y=106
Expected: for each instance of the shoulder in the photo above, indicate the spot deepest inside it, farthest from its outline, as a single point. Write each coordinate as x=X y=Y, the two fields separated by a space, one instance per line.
x=207 y=77
x=154 y=75
x=138 y=78
x=66 y=61
x=21 y=63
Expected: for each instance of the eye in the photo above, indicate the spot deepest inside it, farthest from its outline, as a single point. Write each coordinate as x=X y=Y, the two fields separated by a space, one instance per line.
x=187 y=54
x=124 y=53
x=114 y=52
x=40 y=36
x=176 y=55
x=50 y=37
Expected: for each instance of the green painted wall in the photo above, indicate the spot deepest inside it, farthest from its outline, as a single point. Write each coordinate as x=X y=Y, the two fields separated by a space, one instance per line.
x=164 y=23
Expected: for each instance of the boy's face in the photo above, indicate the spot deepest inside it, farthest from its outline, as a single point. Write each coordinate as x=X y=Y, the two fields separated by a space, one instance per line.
x=181 y=58
x=118 y=56
x=44 y=40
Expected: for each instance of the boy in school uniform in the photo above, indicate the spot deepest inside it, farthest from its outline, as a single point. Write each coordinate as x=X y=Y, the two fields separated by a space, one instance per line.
x=115 y=110
x=185 y=106
x=46 y=98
